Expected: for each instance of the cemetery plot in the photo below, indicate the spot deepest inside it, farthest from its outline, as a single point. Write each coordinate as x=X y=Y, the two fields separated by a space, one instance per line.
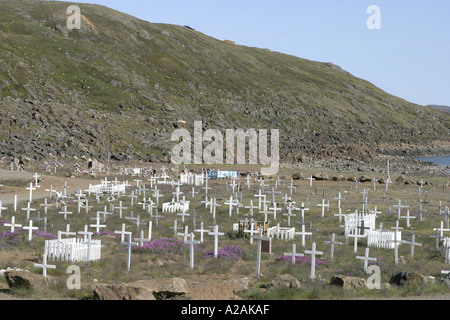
x=159 y=222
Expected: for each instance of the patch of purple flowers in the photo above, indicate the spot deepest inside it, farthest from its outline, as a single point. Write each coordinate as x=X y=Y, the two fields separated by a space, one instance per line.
x=45 y=235
x=163 y=245
x=301 y=260
x=231 y=253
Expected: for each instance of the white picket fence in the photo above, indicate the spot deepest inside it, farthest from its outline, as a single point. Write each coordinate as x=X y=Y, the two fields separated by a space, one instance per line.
x=192 y=179
x=354 y=220
x=281 y=233
x=107 y=188
x=72 y=250
x=382 y=238
x=175 y=206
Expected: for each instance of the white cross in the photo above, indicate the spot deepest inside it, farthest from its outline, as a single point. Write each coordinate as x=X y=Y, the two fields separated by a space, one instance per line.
x=216 y=235
x=313 y=254
x=141 y=239
x=407 y=217
x=67 y=233
x=275 y=209
x=44 y=265
x=259 y=196
x=303 y=234
x=2 y=208
x=366 y=259
x=191 y=244
x=259 y=238
x=13 y=224
x=413 y=243
x=323 y=205
x=65 y=212
x=311 y=179
x=97 y=226
x=122 y=233
x=201 y=230
x=30 y=229
x=251 y=232
x=28 y=209
x=339 y=198
x=293 y=255
x=396 y=241
x=332 y=243
x=31 y=191
x=129 y=244
x=303 y=209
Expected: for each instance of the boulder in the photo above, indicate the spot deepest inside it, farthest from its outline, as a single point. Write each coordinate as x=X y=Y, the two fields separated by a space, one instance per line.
x=154 y=289
x=27 y=280
x=298 y=176
x=403 y=278
x=364 y=179
x=338 y=178
x=348 y=283
x=285 y=281
x=320 y=177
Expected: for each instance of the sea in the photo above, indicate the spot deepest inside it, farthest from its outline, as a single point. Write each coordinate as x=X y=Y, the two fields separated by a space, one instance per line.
x=441 y=161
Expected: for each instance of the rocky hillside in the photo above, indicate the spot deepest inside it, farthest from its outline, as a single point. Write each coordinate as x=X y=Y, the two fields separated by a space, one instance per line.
x=121 y=85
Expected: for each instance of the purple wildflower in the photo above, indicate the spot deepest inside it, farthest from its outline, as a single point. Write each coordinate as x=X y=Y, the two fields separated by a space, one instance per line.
x=232 y=253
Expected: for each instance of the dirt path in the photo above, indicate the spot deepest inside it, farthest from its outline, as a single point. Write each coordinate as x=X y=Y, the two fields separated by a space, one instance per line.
x=7 y=192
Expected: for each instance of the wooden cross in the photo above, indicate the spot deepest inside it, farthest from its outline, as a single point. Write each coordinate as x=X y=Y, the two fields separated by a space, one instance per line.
x=31 y=191
x=65 y=187
x=122 y=232
x=67 y=233
x=97 y=226
x=366 y=259
x=216 y=235
x=202 y=230
x=87 y=236
x=259 y=238
x=120 y=208
x=65 y=212
x=13 y=224
x=251 y=231
x=313 y=252
x=332 y=243
x=289 y=214
x=2 y=208
x=259 y=196
x=129 y=244
x=408 y=217
x=292 y=186
x=28 y=209
x=30 y=229
x=191 y=244
x=303 y=209
x=303 y=233
x=44 y=265
x=311 y=179
x=339 y=198
x=323 y=205
x=396 y=241
x=141 y=239
x=399 y=206
x=293 y=254
x=413 y=243
x=275 y=209
x=340 y=215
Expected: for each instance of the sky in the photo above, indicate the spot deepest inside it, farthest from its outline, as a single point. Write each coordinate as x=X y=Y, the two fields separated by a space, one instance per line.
x=407 y=56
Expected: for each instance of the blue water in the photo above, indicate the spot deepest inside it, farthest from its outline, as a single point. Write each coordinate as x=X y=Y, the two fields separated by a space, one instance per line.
x=442 y=161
